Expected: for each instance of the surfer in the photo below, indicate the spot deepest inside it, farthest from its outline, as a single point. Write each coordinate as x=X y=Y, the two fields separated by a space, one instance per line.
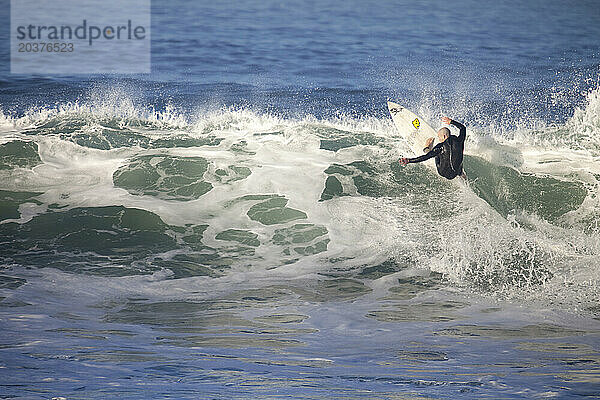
x=448 y=153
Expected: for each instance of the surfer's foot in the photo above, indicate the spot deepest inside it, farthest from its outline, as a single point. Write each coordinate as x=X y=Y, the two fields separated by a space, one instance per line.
x=428 y=145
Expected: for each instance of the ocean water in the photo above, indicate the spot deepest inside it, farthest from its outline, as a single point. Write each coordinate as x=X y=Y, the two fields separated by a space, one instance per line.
x=235 y=225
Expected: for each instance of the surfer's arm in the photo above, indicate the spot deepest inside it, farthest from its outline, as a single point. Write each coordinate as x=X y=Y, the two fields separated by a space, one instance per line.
x=462 y=130
x=434 y=152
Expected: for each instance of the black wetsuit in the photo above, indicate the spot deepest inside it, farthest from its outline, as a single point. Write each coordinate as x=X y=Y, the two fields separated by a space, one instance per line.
x=448 y=154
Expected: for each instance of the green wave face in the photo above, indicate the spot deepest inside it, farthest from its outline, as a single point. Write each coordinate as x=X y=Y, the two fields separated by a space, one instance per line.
x=94 y=240
x=506 y=190
x=19 y=154
x=165 y=177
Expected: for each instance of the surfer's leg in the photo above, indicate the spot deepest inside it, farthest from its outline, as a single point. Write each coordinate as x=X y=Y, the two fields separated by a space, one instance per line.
x=428 y=145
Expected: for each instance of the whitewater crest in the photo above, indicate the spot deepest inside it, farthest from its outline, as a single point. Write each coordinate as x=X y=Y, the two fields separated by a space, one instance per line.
x=586 y=121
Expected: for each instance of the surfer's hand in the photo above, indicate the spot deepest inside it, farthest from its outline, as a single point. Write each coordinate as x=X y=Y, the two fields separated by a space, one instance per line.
x=403 y=161
x=446 y=120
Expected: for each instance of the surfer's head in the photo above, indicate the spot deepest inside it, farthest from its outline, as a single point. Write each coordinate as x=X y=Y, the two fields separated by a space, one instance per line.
x=443 y=134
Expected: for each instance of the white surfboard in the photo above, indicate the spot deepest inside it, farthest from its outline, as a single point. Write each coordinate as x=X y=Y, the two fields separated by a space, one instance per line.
x=413 y=128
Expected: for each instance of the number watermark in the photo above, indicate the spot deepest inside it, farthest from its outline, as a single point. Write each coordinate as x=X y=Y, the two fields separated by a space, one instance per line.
x=80 y=36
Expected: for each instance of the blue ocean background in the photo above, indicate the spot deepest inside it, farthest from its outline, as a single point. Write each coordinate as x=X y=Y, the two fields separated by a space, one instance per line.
x=236 y=224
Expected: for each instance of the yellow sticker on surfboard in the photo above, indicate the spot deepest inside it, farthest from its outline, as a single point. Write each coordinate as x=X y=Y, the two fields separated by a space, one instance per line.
x=416 y=123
